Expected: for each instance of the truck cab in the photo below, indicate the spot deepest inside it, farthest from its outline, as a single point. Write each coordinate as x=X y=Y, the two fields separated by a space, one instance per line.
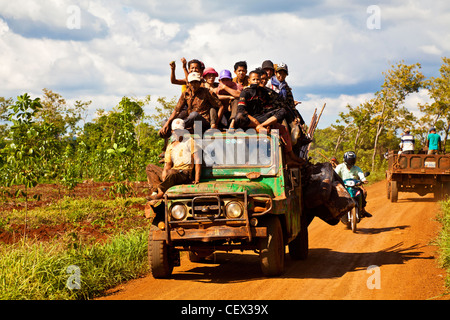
x=247 y=199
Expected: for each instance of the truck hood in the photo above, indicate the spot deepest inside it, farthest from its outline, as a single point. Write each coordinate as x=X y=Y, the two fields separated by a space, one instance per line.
x=251 y=187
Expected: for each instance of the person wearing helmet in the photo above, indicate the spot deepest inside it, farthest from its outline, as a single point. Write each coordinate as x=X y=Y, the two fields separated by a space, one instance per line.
x=348 y=170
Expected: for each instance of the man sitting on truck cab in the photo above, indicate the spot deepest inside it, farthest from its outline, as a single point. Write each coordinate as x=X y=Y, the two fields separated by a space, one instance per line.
x=181 y=158
x=202 y=107
x=256 y=111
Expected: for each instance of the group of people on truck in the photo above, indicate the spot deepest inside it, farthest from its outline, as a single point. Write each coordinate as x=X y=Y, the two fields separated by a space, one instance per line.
x=260 y=99
x=407 y=142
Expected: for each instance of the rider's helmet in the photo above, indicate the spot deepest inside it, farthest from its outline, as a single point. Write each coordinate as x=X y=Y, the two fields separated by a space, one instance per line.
x=350 y=158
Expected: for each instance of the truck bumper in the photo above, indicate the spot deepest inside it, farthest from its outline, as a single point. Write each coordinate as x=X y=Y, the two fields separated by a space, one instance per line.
x=210 y=234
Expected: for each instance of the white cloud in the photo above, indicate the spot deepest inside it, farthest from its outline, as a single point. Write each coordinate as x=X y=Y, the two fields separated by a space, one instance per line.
x=431 y=49
x=124 y=48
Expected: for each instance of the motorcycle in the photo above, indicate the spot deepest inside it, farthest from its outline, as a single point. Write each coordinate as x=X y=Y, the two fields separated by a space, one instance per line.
x=353 y=217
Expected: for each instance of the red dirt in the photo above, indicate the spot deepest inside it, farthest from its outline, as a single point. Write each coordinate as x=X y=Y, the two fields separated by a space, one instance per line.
x=398 y=239
x=49 y=193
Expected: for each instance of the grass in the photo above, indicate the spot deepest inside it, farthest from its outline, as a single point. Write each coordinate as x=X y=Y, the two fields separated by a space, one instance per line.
x=44 y=270
x=443 y=240
x=39 y=271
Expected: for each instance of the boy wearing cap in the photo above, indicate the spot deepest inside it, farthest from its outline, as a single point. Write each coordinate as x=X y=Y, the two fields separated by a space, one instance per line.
x=269 y=68
x=293 y=117
x=199 y=102
x=181 y=158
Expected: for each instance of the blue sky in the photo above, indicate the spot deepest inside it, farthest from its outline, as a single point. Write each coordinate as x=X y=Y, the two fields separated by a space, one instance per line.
x=104 y=50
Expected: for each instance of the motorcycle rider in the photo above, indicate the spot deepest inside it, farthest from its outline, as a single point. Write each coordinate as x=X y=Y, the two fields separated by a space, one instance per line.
x=348 y=170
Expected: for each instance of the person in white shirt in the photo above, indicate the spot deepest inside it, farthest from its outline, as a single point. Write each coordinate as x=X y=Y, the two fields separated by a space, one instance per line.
x=407 y=143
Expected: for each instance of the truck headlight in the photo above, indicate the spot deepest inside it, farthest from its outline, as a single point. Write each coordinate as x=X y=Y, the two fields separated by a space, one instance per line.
x=178 y=211
x=234 y=209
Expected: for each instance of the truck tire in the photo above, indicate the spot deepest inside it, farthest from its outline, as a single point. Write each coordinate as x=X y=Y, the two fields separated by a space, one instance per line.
x=439 y=191
x=446 y=190
x=159 y=257
x=272 y=248
x=299 y=247
x=394 y=191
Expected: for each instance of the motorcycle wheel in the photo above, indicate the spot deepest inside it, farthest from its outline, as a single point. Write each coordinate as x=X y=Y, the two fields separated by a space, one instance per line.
x=353 y=219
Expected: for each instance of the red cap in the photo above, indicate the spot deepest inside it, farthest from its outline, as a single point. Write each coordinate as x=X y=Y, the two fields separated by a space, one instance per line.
x=210 y=70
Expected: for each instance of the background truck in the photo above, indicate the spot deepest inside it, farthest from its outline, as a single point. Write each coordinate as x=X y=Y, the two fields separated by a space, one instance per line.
x=247 y=199
x=419 y=173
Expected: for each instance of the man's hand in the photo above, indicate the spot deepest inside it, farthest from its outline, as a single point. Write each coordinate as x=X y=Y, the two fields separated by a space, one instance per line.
x=164 y=129
x=261 y=128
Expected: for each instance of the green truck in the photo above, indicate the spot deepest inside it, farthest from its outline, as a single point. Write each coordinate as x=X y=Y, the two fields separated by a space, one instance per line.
x=247 y=199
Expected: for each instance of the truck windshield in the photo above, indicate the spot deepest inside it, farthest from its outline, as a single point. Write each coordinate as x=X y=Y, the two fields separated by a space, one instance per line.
x=237 y=151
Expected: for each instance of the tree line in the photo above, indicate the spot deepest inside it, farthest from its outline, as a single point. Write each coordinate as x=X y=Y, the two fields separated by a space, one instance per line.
x=48 y=140
x=374 y=126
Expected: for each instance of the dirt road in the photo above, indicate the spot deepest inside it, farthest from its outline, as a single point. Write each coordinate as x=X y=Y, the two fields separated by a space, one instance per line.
x=397 y=240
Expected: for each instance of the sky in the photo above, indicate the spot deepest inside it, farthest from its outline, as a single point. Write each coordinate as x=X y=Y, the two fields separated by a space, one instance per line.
x=101 y=51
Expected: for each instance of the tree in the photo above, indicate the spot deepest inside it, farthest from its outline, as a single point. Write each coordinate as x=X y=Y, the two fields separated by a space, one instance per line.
x=438 y=112
x=399 y=81
x=23 y=159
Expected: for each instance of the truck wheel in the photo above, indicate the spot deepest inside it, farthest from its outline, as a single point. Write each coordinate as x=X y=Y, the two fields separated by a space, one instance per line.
x=298 y=248
x=446 y=190
x=394 y=191
x=159 y=257
x=272 y=248
x=439 y=191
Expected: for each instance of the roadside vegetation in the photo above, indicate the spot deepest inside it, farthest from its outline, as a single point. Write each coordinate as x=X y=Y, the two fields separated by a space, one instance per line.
x=98 y=245
x=443 y=240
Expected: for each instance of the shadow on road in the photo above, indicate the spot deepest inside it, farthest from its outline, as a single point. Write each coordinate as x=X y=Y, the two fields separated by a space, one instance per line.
x=322 y=263
x=403 y=200
x=380 y=230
